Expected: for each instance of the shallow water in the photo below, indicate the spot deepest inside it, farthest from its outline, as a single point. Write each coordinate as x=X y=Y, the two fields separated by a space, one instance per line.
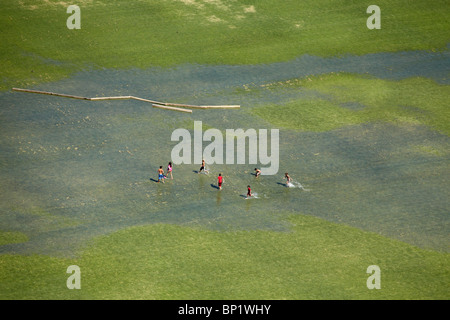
x=73 y=169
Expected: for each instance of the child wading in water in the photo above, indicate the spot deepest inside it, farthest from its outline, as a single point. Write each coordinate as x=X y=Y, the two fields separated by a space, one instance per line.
x=249 y=192
x=220 y=181
x=161 y=174
x=203 y=167
x=288 y=178
x=169 y=170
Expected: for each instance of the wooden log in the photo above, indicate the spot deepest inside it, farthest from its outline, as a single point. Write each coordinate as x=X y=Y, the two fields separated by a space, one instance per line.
x=171 y=108
x=222 y=107
x=155 y=104
x=146 y=100
x=51 y=93
x=111 y=98
x=170 y=104
x=201 y=107
x=182 y=105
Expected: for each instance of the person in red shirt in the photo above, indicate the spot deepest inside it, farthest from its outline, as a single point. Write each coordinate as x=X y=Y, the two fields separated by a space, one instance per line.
x=220 y=181
x=249 y=192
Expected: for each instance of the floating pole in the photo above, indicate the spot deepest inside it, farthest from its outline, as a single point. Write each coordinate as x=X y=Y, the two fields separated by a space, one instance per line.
x=146 y=100
x=155 y=104
x=182 y=105
x=171 y=108
x=110 y=98
x=51 y=93
x=222 y=107
x=201 y=107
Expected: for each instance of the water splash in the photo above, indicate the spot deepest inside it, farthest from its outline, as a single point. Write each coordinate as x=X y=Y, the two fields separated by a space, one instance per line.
x=295 y=184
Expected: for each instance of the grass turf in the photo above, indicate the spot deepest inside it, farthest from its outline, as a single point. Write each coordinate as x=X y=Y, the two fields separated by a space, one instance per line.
x=315 y=260
x=318 y=259
x=413 y=100
x=38 y=47
x=7 y=237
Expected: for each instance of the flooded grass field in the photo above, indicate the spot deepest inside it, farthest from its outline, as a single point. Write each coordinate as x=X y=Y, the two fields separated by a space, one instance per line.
x=72 y=170
x=363 y=124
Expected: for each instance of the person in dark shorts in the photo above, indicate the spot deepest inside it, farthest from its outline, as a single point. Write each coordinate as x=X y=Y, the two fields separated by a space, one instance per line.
x=203 y=167
x=249 y=192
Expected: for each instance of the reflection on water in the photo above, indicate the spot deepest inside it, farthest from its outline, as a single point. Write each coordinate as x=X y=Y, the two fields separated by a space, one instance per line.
x=218 y=198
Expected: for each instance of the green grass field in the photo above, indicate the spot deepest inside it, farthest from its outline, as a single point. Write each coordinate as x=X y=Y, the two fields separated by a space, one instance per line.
x=413 y=101
x=315 y=260
x=63 y=168
x=38 y=47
